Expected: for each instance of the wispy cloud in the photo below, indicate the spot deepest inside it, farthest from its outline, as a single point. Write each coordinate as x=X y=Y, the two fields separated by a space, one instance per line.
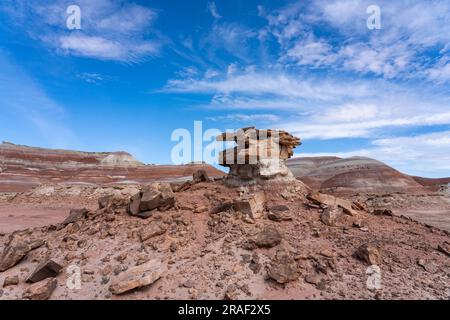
x=240 y=117
x=410 y=30
x=110 y=30
x=23 y=98
x=90 y=77
x=324 y=108
x=213 y=10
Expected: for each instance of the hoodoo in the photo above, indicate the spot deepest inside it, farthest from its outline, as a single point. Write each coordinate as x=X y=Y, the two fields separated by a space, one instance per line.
x=260 y=155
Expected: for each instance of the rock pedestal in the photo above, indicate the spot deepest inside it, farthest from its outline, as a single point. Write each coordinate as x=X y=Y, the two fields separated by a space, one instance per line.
x=260 y=155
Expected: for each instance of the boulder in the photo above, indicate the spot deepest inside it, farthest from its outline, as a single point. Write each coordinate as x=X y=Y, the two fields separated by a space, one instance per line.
x=369 y=253
x=41 y=290
x=279 y=213
x=135 y=202
x=76 y=215
x=260 y=155
x=253 y=205
x=11 y=281
x=330 y=215
x=136 y=277
x=200 y=176
x=105 y=201
x=329 y=200
x=44 y=270
x=268 y=238
x=283 y=268
x=13 y=254
x=154 y=196
x=150 y=200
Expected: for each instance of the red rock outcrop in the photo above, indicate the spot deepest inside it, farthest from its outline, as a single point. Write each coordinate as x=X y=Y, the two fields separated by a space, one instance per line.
x=352 y=175
x=23 y=167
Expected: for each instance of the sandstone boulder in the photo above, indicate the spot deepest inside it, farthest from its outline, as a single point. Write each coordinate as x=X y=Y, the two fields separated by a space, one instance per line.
x=251 y=205
x=268 y=238
x=330 y=215
x=11 y=281
x=279 y=213
x=136 y=277
x=13 y=254
x=369 y=253
x=329 y=200
x=283 y=268
x=154 y=196
x=41 y=290
x=105 y=201
x=260 y=155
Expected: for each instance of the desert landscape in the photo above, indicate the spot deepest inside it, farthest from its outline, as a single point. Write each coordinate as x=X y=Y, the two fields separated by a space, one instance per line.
x=76 y=225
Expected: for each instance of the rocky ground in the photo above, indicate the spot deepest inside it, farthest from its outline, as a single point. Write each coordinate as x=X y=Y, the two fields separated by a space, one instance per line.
x=209 y=241
x=429 y=208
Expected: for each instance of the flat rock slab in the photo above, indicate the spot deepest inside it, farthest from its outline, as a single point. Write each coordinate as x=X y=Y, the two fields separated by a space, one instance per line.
x=12 y=255
x=46 y=269
x=137 y=277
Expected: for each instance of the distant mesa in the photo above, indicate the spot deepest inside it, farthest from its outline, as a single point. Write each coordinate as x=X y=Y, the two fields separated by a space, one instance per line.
x=23 y=167
x=358 y=175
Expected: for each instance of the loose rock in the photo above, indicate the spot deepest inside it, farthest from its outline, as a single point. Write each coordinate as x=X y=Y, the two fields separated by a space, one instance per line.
x=369 y=253
x=283 y=268
x=12 y=255
x=40 y=290
x=268 y=238
x=46 y=269
x=136 y=277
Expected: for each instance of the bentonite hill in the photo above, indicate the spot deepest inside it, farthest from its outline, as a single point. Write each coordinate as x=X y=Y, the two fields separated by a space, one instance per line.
x=259 y=233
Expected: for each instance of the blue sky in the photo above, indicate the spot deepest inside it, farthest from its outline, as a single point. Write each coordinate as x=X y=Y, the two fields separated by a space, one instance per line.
x=136 y=71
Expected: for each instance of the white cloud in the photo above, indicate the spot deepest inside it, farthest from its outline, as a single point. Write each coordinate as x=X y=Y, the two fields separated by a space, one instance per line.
x=233 y=38
x=311 y=52
x=441 y=71
x=410 y=29
x=213 y=10
x=110 y=29
x=329 y=108
x=246 y=117
x=91 y=77
x=281 y=85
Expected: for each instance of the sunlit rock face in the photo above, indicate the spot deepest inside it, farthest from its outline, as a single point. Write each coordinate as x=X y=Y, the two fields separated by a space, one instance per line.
x=260 y=155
